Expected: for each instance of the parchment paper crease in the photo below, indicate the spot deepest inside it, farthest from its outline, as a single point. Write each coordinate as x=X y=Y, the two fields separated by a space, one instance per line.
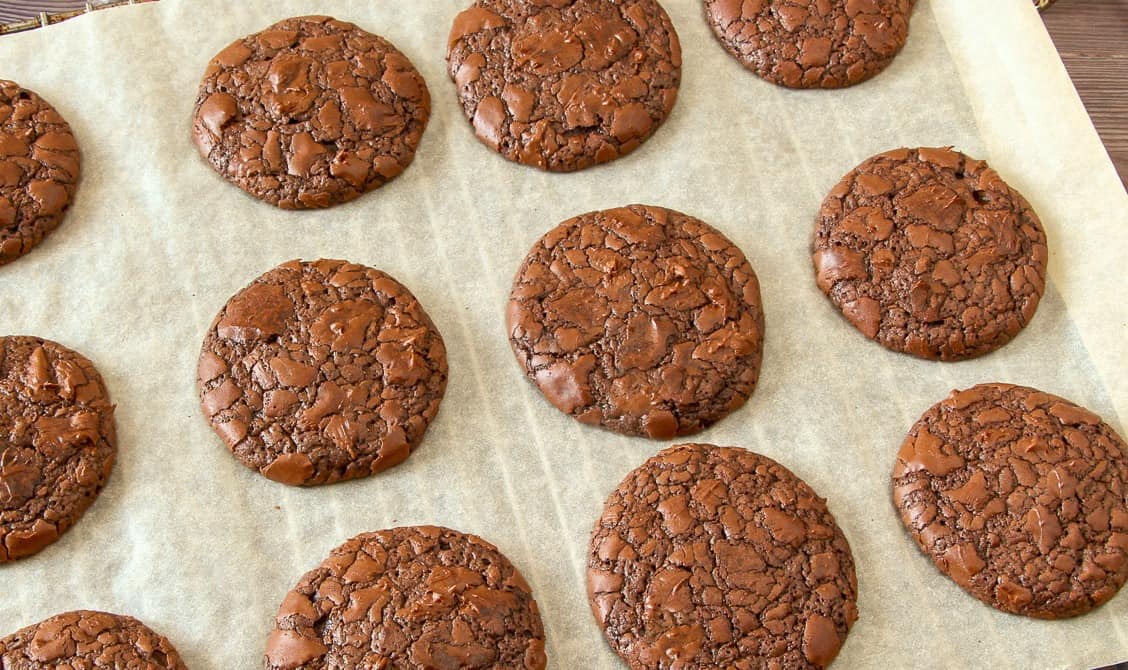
x=203 y=550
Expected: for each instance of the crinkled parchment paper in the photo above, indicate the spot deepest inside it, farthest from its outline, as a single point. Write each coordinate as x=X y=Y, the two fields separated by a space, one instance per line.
x=203 y=549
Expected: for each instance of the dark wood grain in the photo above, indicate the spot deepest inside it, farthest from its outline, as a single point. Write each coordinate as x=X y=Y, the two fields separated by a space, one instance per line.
x=1092 y=38
x=15 y=10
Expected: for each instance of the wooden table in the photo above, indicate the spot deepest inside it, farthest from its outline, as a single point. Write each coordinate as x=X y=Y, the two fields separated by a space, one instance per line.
x=1092 y=38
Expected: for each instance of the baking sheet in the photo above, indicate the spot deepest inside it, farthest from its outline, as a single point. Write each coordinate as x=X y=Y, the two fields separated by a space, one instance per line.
x=203 y=549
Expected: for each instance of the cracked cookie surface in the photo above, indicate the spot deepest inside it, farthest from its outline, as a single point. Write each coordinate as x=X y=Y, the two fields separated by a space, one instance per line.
x=812 y=43
x=39 y=169
x=717 y=557
x=929 y=252
x=321 y=371
x=418 y=597
x=564 y=84
x=311 y=112
x=57 y=442
x=639 y=319
x=1020 y=497
x=88 y=640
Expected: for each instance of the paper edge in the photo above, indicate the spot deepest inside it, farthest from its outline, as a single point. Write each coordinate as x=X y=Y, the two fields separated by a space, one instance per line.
x=1036 y=168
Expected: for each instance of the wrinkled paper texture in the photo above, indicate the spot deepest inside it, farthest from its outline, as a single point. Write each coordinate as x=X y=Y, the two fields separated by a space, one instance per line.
x=203 y=549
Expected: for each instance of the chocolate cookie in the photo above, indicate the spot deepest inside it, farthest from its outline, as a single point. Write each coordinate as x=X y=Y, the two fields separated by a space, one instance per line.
x=416 y=597
x=716 y=557
x=639 y=319
x=1020 y=497
x=565 y=85
x=39 y=169
x=321 y=371
x=57 y=442
x=930 y=253
x=310 y=112
x=812 y=43
x=85 y=639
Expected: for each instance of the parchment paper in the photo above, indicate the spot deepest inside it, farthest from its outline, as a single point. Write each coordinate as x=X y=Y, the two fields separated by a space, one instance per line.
x=203 y=550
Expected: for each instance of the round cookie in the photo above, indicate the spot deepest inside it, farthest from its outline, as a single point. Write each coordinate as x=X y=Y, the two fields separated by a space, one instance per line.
x=85 y=639
x=417 y=597
x=1019 y=497
x=564 y=85
x=321 y=371
x=929 y=252
x=310 y=112
x=717 y=557
x=57 y=442
x=639 y=319
x=812 y=43
x=39 y=169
